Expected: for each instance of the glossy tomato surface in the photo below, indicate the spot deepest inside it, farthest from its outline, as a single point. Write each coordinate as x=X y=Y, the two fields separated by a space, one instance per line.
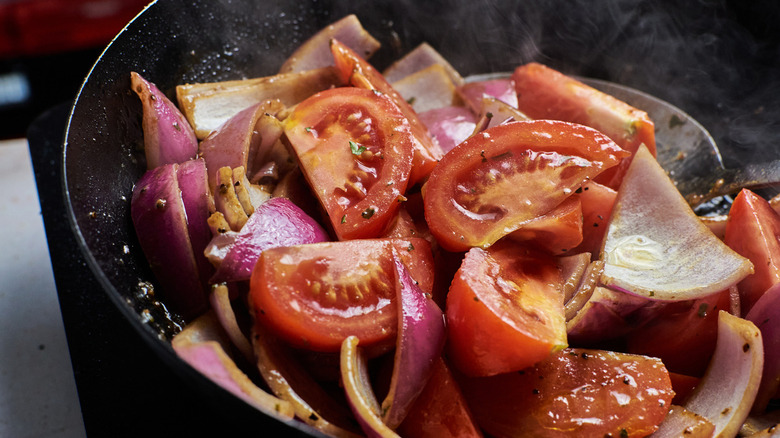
x=545 y=93
x=315 y=296
x=355 y=148
x=575 y=392
x=753 y=230
x=359 y=73
x=504 y=310
x=499 y=179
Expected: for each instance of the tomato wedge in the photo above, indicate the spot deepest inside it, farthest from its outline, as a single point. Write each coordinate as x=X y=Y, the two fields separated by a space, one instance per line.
x=497 y=180
x=355 y=149
x=753 y=230
x=358 y=72
x=504 y=310
x=575 y=392
x=545 y=93
x=315 y=296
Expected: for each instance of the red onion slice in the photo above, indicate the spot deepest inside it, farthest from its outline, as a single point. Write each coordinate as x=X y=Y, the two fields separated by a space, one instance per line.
x=277 y=222
x=765 y=314
x=160 y=221
x=223 y=309
x=168 y=137
x=680 y=422
x=449 y=125
x=421 y=57
x=421 y=336
x=289 y=381
x=501 y=89
x=198 y=202
x=202 y=345
x=727 y=391
x=354 y=375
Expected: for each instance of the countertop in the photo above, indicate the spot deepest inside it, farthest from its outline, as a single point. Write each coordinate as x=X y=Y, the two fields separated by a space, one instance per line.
x=38 y=396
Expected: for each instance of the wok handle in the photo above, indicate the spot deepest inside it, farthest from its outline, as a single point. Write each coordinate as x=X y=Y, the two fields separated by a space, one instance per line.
x=730 y=181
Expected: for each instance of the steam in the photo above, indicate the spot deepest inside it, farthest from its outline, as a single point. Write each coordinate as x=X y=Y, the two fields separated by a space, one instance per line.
x=717 y=60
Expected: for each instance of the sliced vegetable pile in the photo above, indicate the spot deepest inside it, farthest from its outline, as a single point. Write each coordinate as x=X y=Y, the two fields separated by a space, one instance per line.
x=405 y=253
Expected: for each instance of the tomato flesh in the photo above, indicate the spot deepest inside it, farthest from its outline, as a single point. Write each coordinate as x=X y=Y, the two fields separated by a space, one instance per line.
x=315 y=296
x=355 y=149
x=504 y=310
x=753 y=230
x=544 y=93
x=556 y=232
x=575 y=392
x=358 y=72
x=498 y=180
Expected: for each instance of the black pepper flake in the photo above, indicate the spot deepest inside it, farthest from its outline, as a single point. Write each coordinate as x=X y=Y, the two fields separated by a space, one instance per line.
x=535 y=391
x=626 y=380
x=313 y=417
x=579 y=190
x=584 y=355
x=160 y=204
x=368 y=213
x=482 y=154
x=702 y=311
x=600 y=217
x=476 y=299
x=176 y=126
x=223 y=188
x=221 y=230
x=595 y=224
x=623 y=433
x=725 y=411
x=746 y=347
x=410 y=248
x=489 y=115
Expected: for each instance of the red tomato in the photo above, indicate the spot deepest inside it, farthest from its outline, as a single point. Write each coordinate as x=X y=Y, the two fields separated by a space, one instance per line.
x=575 y=392
x=556 y=232
x=597 y=201
x=505 y=176
x=544 y=93
x=504 y=310
x=753 y=230
x=683 y=337
x=358 y=72
x=355 y=149
x=314 y=296
x=440 y=410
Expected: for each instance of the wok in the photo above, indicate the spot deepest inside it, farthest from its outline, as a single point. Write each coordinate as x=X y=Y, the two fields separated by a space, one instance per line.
x=176 y=41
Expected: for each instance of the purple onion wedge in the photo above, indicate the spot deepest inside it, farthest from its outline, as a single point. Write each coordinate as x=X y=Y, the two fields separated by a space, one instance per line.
x=680 y=422
x=449 y=125
x=421 y=336
x=168 y=137
x=197 y=205
x=160 y=221
x=277 y=222
x=202 y=345
x=765 y=314
x=357 y=385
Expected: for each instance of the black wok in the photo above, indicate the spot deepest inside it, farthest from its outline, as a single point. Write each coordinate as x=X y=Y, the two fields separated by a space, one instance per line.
x=677 y=53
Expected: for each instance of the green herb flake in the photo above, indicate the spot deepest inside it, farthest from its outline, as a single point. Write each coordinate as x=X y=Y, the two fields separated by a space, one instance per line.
x=410 y=248
x=344 y=219
x=356 y=148
x=411 y=100
x=308 y=129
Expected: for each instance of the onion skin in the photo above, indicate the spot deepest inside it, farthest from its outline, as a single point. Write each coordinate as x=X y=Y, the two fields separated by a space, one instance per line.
x=160 y=222
x=765 y=314
x=198 y=202
x=421 y=337
x=203 y=345
x=680 y=422
x=354 y=375
x=168 y=137
x=738 y=360
x=277 y=222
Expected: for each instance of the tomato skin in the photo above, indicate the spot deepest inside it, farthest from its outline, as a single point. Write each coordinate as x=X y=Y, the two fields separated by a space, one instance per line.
x=753 y=230
x=683 y=336
x=360 y=191
x=314 y=296
x=359 y=73
x=440 y=410
x=558 y=231
x=545 y=93
x=504 y=310
x=497 y=180
x=575 y=392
